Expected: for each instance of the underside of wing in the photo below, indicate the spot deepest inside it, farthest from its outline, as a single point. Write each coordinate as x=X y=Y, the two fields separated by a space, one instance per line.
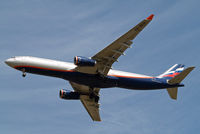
x=90 y=104
x=111 y=53
x=82 y=88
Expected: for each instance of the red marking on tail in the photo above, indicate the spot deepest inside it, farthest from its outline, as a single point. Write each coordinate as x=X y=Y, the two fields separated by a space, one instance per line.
x=171 y=75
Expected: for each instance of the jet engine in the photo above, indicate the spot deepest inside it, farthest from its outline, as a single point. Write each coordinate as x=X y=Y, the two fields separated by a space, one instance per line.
x=83 y=61
x=69 y=95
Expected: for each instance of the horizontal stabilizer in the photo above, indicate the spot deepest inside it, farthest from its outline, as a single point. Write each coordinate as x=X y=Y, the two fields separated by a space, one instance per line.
x=173 y=92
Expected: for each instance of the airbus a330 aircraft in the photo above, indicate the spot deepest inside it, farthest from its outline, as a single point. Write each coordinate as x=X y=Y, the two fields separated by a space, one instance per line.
x=88 y=75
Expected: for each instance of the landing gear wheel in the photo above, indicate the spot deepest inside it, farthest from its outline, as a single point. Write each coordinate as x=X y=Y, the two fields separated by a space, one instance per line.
x=91 y=91
x=24 y=75
x=96 y=99
x=93 y=95
x=23 y=72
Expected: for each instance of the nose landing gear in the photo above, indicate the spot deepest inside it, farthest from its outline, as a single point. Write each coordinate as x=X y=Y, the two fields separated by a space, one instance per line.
x=24 y=75
x=23 y=72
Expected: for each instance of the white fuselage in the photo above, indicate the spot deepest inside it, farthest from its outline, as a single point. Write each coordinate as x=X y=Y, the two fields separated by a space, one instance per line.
x=59 y=65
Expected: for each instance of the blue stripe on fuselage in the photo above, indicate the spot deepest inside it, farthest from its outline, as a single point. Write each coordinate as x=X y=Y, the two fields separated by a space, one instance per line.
x=93 y=80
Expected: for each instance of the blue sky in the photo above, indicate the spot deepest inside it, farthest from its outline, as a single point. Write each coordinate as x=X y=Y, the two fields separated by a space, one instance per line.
x=62 y=29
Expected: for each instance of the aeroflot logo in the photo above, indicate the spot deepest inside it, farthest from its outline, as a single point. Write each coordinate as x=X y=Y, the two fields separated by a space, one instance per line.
x=174 y=73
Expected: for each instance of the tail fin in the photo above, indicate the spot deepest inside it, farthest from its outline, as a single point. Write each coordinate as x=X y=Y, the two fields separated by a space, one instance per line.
x=173 y=71
x=178 y=78
x=174 y=76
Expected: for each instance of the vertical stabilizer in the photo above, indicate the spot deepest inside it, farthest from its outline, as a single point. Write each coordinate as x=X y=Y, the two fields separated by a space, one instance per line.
x=173 y=71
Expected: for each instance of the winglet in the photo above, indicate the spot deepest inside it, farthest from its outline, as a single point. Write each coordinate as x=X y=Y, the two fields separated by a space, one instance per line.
x=150 y=17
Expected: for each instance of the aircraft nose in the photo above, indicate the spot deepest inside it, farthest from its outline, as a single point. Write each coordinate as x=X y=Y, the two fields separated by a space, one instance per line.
x=10 y=62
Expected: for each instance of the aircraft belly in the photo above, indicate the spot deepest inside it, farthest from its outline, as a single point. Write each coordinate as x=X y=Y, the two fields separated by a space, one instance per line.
x=140 y=83
x=91 y=80
x=80 y=78
x=97 y=81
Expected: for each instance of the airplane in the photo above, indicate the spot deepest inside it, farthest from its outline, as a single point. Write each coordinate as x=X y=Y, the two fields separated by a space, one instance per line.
x=88 y=75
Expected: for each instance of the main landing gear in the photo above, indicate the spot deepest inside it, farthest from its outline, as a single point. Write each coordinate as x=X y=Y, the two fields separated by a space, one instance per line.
x=23 y=72
x=93 y=95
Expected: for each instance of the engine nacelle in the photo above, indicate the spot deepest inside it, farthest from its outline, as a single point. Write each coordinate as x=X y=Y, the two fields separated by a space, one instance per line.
x=69 y=95
x=83 y=61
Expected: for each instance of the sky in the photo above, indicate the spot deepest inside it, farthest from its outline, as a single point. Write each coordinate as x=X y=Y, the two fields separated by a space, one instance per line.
x=60 y=30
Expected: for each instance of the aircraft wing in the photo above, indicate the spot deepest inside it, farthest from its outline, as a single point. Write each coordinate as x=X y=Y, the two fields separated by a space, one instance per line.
x=106 y=57
x=90 y=105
